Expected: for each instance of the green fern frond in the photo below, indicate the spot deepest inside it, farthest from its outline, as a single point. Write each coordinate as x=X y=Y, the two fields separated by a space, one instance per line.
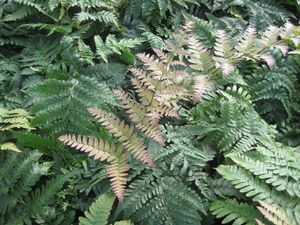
x=99 y=211
x=245 y=182
x=102 y=16
x=157 y=197
x=60 y=106
x=42 y=196
x=234 y=212
x=262 y=167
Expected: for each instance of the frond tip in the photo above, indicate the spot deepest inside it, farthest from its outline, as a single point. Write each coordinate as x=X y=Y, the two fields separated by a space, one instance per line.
x=137 y=113
x=125 y=134
x=273 y=213
x=103 y=151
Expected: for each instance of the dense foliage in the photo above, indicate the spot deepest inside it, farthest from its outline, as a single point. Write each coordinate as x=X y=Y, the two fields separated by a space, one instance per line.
x=178 y=112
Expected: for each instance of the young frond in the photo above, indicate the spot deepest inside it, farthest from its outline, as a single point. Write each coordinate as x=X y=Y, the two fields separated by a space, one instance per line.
x=201 y=87
x=14 y=119
x=224 y=53
x=103 y=151
x=97 y=148
x=247 y=44
x=117 y=172
x=274 y=213
x=124 y=133
x=156 y=67
x=137 y=114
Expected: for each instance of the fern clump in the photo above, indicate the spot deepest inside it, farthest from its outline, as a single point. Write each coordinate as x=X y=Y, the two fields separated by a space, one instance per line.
x=149 y=112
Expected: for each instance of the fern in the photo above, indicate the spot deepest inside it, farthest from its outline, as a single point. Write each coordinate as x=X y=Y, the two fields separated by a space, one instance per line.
x=111 y=45
x=237 y=125
x=11 y=120
x=42 y=196
x=103 y=151
x=99 y=211
x=150 y=195
x=240 y=213
x=183 y=155
x=273 y=90
x=21 y=177
x=255 y=182
x=14 y=119
x=273 y=213
x=125 y=134
x=272 y=13
x=60 y=106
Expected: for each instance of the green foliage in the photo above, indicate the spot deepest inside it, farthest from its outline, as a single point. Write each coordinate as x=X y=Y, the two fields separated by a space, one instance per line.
x=259 y=174
x=156 y=195
x=11 y=120
x=22 y=195
x=60 y=105
x=210 y=108
x=99 y=211
x=240 y=213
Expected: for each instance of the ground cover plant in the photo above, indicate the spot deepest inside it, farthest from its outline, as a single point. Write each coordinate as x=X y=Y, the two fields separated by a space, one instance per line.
x=149 y=112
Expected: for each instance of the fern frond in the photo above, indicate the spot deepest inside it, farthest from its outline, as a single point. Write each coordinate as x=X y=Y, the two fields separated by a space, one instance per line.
x=157 y=196
x=103 y=151
x=124 y=133
x=224 y=54
x=274 y=213
x=14 y=119
x=117 y=171
x=263 y=168
x=9 y=146
x=43 y=195
x=97 y=148
x=99 y=211
x=201 y=87
x=137 y=113
x=245 y=182
x=233 y=211
x=247 y=44
x=158 y=70
x=60 y=106
x=102 y=16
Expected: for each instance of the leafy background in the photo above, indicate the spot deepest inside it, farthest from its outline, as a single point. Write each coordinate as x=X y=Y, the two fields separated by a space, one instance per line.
x=230 y=157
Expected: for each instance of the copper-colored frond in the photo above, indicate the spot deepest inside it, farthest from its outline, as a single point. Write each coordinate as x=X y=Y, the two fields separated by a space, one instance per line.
x=202 y=86
x=103 y=151
x=162 y=110
x=158 y=69
x=98 y=149
x=124 y=133
x=117 y=172
x=137 y=113
x=145 y=95
x=187 y=27
x=145 y=79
